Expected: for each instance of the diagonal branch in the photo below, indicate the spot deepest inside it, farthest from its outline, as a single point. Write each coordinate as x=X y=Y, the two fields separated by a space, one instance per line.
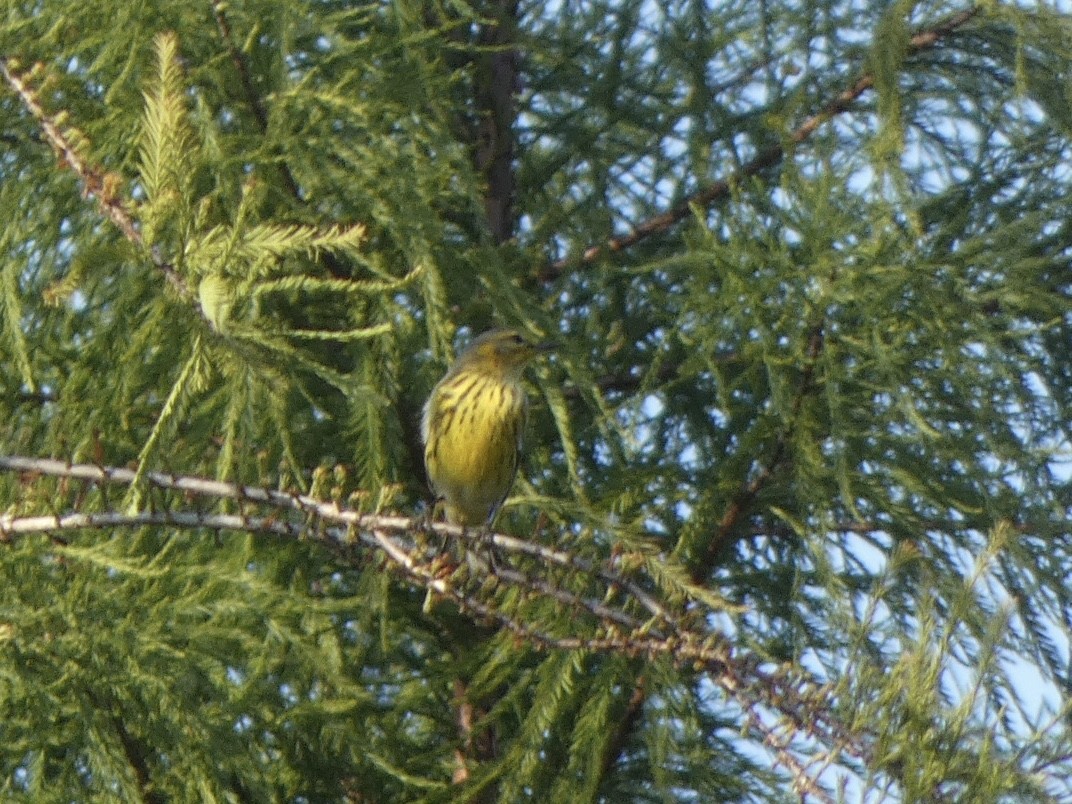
x=245 y=78
x=742 y=501
x=334 y=264
x=95 y=182
x=765 y=159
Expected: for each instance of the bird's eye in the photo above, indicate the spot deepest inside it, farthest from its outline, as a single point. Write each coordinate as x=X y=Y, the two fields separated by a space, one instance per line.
x=518 y=339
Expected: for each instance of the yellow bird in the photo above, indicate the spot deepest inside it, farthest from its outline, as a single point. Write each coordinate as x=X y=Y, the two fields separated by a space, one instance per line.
x=473 y=423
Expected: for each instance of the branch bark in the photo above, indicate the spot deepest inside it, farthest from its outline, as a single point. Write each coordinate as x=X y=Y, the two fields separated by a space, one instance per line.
x=496 y=84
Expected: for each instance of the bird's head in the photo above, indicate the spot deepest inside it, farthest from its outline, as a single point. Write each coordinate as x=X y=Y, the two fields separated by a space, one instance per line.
x=500 y=352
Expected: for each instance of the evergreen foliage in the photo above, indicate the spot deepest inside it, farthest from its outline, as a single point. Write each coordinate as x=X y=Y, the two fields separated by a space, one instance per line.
x=793 y=518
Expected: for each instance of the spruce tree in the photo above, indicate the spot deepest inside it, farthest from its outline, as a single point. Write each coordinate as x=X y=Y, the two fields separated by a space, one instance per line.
x=792 y=518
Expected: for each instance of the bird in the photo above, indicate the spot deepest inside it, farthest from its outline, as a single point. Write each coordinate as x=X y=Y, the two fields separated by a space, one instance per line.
x=473 y=424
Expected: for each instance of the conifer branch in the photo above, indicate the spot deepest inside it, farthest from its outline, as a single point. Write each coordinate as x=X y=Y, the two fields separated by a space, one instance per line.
x=260 y=113
x=96 y=183
x=802 y=705
x=252 y=97
x=625 y=725
x=727 y=525
x=746 y=495
x=136 y=752
x=685 y=647
x=12 y=526
x=327 y=511
x=780 y=744
x=764 y=160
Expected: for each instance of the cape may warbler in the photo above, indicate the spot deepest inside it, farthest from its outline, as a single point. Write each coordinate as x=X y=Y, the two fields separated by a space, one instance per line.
x=472 y=426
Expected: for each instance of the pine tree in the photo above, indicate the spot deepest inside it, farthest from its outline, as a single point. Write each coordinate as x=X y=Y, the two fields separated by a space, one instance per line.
x=792 y=521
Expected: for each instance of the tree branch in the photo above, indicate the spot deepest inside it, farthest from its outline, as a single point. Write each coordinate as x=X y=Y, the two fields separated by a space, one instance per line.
x=95 y=182
x=496 y=83
x=746 y=495
x=801 y=705
x=256 y=104
x=765 y=159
